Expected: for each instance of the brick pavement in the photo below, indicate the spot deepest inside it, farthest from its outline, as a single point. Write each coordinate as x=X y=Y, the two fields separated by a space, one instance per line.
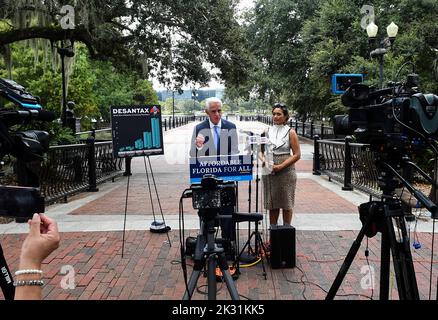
x=150 y=269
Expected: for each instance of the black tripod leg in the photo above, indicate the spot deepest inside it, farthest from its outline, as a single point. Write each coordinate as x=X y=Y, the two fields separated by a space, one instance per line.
x=197 y=270
x=227 y=277
x=259 y=244
x=212 y=285
x=402 y=260
x=192 y=284
x=247 y=244
x=349 y=259
x=385 y=257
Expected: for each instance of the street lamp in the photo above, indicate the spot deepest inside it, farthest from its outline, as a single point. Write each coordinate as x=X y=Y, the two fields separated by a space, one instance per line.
x=391 y=31
x=194 y=96
x=173 y=108
x=64 y=52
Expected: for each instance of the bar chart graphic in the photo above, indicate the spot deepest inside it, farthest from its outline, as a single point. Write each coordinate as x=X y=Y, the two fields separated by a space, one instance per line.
x=136 y=131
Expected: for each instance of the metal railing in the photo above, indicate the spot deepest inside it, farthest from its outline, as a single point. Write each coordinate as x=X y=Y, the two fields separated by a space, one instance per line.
x=70 y=169
x=168 y=123
x=351 y=164
x=304 y=129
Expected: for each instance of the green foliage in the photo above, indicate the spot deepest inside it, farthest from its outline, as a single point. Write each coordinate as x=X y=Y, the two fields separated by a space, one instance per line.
x=60 y=135
x=296 y=46
x=144 y=93
x=170 y=39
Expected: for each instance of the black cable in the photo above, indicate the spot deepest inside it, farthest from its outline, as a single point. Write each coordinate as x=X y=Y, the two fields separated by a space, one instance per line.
x=181 y=241
x=413 y=130
x=317 y=285
x=245 y=297
x=393 y=111
x=401 y=68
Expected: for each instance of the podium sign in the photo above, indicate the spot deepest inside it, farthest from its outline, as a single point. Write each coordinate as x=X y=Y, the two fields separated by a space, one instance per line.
x=227 y=168
x=136 y=131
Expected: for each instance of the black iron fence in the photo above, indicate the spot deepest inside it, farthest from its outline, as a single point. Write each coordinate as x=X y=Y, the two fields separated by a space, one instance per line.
x=69 y=169
x=304 y=129
x=168 y=122
x=351 y=164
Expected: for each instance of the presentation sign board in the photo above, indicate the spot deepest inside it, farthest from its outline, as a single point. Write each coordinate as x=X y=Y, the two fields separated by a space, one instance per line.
x=227 y=168
x=136 y=131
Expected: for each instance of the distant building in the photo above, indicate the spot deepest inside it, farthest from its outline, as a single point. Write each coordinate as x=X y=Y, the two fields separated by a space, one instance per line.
x=201 y=94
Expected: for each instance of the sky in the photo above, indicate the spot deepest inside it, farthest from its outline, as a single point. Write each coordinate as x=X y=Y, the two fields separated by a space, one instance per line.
x=246 y=4
x=213 y=84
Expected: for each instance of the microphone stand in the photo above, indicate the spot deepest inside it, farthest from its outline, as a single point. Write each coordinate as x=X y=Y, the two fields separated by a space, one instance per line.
x=249 y=256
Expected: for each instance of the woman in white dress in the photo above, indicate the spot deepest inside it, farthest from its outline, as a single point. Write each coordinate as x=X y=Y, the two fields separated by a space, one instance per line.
x=280 y=178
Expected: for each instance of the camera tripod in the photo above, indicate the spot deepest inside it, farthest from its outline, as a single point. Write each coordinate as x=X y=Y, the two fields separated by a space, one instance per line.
x=208 y=253
x=382 y=216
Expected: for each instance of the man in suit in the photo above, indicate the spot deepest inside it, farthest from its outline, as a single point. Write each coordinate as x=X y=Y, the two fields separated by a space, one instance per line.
x=216 y=136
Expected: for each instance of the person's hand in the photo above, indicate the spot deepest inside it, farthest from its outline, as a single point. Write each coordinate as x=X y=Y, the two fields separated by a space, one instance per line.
x=277 y=167
x=42 y=239
x=200 y=139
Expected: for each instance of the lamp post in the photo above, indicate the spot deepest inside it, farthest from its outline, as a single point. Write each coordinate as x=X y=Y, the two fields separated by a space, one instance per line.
x=173 y=108
x=64 y=52
x=391 y=30
x=194 y=95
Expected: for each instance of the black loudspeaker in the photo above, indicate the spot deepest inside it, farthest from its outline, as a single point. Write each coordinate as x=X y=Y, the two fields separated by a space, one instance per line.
x=283 y=247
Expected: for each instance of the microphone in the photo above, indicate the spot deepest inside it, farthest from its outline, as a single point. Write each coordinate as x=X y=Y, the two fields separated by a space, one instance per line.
x=250 y=133
x=12 y=117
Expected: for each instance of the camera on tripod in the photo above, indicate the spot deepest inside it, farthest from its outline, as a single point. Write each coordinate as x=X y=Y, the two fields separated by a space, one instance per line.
x=26 y=146
x=395 y=123
x=210 y=197
x=212 y=194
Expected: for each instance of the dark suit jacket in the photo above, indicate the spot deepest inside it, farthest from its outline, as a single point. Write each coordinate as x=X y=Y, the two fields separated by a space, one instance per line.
x=229 y=145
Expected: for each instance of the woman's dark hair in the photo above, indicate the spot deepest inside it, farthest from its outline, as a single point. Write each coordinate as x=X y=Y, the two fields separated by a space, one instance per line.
x=283 y=108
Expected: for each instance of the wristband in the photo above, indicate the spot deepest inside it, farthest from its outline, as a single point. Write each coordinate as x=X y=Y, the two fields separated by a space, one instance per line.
x=28 y=271
x=20 y=283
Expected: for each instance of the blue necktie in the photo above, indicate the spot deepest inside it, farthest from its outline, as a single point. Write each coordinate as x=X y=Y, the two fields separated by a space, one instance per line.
x=216 y=137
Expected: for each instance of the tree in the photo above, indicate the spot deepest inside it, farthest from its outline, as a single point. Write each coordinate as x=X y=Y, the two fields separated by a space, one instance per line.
x=296 y=47
x=144 y=93
x=167 y=38
x=279 y=62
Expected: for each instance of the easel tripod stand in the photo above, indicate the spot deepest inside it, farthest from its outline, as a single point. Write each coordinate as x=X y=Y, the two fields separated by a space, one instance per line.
x=146 y=165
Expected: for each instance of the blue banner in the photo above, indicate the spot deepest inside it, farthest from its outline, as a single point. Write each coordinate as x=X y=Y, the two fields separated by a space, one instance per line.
x=227 y=168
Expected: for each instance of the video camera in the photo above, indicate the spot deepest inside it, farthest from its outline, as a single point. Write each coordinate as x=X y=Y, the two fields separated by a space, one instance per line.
x=397 y=117
x=25 y=146
x=212 y=194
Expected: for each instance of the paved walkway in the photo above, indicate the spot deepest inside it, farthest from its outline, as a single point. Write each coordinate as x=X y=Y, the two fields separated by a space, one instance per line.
x=89 y=263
